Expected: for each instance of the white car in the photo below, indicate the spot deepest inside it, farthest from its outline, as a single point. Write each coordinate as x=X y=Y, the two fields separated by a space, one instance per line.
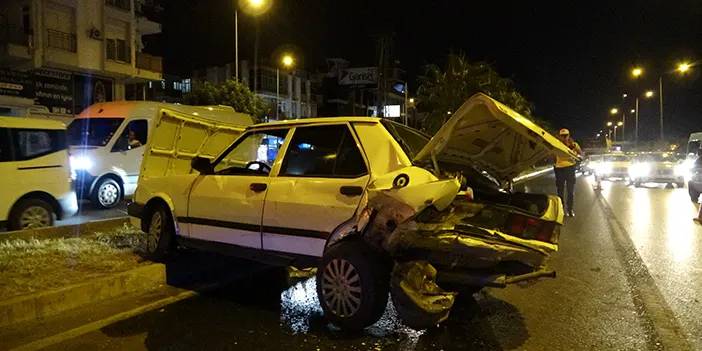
x=657 y=167
x=36 y=184
x=357 y=196
x=106 y=142
x=608 y=166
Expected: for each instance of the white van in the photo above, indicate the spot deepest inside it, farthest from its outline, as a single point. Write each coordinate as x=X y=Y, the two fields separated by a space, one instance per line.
x=35 y=173
x=107 y=142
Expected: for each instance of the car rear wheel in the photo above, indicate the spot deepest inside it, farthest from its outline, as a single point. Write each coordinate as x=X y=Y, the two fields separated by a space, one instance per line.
x=680 y=185
x=160 y=239
x=353 y=282
x=30 y=214
x=107 y=193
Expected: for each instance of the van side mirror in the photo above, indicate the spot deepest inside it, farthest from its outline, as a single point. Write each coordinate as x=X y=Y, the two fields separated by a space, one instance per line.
x=202 y=165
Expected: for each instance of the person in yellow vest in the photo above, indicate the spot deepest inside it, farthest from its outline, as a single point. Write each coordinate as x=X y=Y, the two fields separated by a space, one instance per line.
x=565 y=172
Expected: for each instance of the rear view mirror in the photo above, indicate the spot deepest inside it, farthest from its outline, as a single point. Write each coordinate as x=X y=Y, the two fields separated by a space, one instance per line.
x=202 y=165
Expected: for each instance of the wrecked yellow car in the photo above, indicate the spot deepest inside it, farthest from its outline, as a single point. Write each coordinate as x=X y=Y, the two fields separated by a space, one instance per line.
x=379 y=208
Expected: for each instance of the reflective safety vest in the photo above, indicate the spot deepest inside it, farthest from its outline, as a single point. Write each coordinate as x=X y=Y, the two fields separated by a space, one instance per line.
x=562 y=162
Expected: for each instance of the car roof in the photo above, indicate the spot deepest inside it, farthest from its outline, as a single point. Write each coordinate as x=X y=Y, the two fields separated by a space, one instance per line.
x=30 y=123
x=315 y=120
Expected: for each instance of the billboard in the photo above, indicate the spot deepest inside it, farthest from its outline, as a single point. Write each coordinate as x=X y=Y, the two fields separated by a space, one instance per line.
x=359 y=76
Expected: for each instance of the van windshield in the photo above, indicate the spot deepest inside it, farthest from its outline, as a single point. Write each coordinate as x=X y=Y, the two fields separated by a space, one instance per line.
x=92 y=131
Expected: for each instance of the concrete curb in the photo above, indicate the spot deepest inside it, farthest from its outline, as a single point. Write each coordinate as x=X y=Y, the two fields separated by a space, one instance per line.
x=66 y=230
x=43 y=304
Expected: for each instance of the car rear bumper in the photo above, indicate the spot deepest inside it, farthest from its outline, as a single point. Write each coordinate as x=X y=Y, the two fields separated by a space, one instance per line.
x=491 y=280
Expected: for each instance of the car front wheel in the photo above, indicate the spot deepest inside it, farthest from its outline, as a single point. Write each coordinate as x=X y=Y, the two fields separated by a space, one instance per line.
x=353 y=282
x=107 y=193
x=30 y=214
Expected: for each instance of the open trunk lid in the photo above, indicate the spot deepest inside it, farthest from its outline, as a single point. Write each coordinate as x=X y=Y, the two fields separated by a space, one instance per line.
x=490 y=136
x=177 y=138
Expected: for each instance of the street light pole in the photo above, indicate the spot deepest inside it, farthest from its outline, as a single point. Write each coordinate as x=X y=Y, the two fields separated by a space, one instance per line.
x=236 y=42
x=660 y=103
x=255 y=87
x=277 y=91
x=636 y=130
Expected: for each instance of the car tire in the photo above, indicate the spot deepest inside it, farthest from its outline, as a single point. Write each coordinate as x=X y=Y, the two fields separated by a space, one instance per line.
x=637 y=184
x=353 y=283
x=160 y=234
x=694 y=194
x=680 y=185
x=107 y=193
x=30 y=214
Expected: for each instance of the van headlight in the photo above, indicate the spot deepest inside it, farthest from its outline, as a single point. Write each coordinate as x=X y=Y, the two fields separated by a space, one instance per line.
x=639 y=170
x=81 y=163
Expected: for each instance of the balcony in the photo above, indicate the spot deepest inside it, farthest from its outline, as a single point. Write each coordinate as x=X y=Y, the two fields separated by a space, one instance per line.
x=61 y=40
x=125 y=5
x=149 y=62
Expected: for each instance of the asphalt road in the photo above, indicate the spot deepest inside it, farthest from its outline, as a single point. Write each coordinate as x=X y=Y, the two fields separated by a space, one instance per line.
x=87 y=212
x=628 y=279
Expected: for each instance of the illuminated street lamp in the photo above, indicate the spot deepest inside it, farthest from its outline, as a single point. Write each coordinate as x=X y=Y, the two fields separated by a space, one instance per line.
x=636 y=72
x=633 y=110
x=620 y=123
x=614 y=111
x=649 y=94
x=683 y=67
x=411 y=100
x=609 y=124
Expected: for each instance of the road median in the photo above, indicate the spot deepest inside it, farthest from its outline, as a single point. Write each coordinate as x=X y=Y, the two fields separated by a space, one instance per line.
x=66 y=231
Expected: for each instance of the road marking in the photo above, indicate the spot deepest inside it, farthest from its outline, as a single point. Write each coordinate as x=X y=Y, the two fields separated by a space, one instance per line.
x=662 y=328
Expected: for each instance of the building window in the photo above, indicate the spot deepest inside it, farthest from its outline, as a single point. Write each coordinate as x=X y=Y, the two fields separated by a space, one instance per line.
x=117 y=41
x=120 y=4
x=187 y=85
x=60 y=27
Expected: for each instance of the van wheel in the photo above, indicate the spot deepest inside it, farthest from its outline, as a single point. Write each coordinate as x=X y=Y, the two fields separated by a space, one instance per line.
x=680 y=185
x=107 y=193
x=694 y=194
x=30 y=214
x=353 y=282
x=160 y=234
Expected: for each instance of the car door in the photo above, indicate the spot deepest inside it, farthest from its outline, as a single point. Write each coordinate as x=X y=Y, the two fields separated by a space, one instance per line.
x=128 y=151
x=318 y=187
x=226 y=206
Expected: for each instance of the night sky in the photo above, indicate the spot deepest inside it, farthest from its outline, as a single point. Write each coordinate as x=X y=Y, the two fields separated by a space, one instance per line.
x=571 y=59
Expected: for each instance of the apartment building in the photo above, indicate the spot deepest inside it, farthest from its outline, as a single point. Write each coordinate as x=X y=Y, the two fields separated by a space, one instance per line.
x=68 y=54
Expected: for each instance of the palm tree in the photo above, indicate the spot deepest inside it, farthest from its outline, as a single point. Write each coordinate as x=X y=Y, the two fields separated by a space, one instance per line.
x=441 y=92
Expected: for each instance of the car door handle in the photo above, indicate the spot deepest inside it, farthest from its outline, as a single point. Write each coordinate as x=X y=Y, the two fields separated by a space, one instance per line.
x=351 y=190
x=258 y=187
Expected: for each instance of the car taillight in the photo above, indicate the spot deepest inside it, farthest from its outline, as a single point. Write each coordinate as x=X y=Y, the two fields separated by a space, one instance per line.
x=530 y=228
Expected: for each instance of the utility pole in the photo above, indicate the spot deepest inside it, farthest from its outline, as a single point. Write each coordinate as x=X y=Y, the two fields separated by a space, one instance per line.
x=660 y=101
x=236 y=43
x=636 y=131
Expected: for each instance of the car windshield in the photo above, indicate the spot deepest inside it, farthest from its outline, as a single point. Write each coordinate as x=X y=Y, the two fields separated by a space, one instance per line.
x=412 y=141
x=92 y=131
x=616 y=158
x=656 y=158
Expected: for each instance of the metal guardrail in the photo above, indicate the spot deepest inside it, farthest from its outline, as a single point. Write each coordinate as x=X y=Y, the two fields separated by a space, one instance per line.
x=61 y=40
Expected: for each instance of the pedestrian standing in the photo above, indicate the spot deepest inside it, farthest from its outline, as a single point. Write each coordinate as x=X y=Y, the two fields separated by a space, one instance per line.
x=565 y=172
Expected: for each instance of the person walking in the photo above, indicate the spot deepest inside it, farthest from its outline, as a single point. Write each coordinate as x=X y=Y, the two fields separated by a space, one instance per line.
x=565 y=172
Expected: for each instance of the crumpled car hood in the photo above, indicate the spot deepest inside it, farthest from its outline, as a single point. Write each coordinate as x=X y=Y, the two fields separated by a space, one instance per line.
x=485 y=133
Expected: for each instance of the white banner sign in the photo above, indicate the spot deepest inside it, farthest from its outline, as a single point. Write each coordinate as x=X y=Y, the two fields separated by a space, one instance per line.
x=359 y=76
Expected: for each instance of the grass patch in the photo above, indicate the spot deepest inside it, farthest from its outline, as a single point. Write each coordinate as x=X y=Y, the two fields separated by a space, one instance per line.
x=33 y=265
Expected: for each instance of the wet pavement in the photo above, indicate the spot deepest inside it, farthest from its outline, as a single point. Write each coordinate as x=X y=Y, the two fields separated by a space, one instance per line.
x=87 y=212
x=628 y=279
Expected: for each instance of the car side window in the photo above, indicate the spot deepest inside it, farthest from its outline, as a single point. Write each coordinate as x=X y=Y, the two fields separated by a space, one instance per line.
x=133 y=136
x=253 y=154
x=5 y=147
x=323 y=151
x=33 y=143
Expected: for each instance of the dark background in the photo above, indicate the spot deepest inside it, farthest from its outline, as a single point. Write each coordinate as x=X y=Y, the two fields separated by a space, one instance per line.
x=571 y=59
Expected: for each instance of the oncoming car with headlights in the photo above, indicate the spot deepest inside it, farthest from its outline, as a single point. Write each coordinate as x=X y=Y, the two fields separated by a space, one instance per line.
x=376 y=206
x=608 y=166
x=657 y=167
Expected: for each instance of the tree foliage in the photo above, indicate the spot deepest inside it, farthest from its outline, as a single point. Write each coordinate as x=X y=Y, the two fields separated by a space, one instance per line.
x=441 y=91
x=230 y=93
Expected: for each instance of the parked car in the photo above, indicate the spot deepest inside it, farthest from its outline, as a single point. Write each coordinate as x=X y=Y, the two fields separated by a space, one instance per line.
x=375 y=205
x=657 y=167
x=694 y=185
x=106 y=142
x=36 y=183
